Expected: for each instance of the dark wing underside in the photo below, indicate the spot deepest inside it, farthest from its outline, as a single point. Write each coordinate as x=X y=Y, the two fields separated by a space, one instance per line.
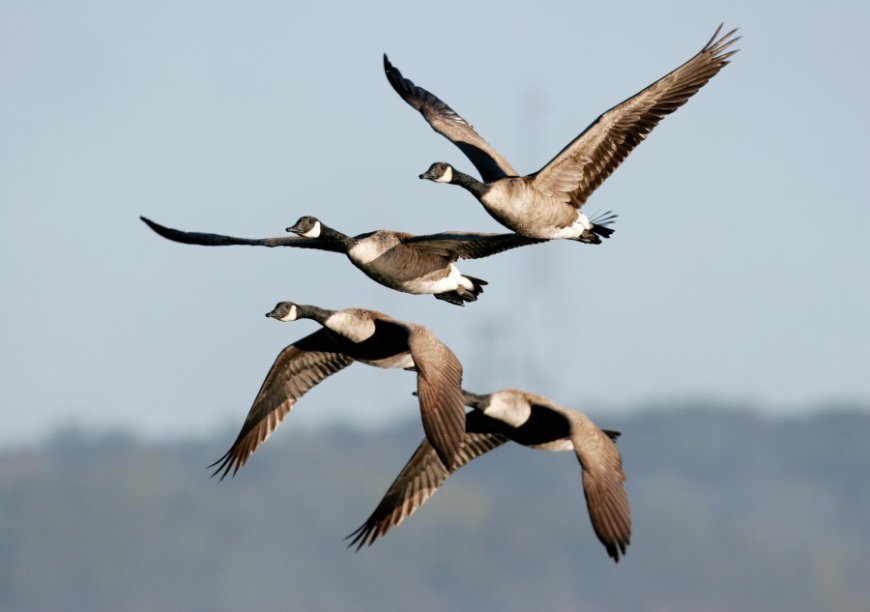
x=460 y=245
x=298 y=369
x=422 y=476
x=590 y=158
x=221 y=240
x=449 y=124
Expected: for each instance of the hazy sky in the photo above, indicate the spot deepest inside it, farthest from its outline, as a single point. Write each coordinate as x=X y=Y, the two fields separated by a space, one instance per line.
x=740 y=269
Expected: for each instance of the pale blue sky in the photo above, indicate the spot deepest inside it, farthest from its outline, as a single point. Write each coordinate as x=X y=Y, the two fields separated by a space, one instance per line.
x=738 y=272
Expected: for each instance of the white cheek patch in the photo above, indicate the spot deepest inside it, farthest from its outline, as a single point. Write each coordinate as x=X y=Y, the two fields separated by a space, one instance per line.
x=290 y=316
x=314 y=232
x=446 y=177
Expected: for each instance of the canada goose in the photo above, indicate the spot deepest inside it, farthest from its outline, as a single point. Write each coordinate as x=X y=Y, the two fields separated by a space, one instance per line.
x=530 y=420
x=547 y=204
x=349 y=335
x=400 y=261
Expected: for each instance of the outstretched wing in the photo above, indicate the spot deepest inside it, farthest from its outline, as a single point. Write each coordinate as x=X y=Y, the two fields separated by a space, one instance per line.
x=422 y=476
x=449 y=124
x=298 y=368
x=590 y=158
x=221 y=240
x=603 y=479
x=464 y=245
x=439 y=390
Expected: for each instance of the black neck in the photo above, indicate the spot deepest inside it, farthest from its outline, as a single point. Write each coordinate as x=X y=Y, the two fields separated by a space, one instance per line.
x=473 y=400
x=333 y=235
x=469 y=182
x=320 y=315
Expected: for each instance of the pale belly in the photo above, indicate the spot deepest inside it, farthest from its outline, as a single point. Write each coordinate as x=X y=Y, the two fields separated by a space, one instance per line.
x=403 y=361
x=412 y=274
x=557 y=446
x=535 y=217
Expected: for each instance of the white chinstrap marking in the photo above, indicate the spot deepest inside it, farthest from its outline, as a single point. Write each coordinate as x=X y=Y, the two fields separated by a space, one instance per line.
x=446 y=177
x=314 y=232
x=291 y=315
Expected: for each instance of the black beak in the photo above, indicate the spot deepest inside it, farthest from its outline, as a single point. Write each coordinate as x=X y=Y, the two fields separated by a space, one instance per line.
x=292 y=229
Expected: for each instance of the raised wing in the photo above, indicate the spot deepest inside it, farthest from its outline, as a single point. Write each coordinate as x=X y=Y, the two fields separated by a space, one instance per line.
x=590 y=158
x=449 y=124
x=422 y=476
x=221 y=240
x=606 y=499
x=461 y=245
x=439 y=390
x=298 y=368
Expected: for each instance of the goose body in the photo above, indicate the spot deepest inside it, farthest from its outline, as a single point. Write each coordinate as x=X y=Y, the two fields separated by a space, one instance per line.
x=398 y=260
x=350 y=335
x=530 y=420
x=547 y=204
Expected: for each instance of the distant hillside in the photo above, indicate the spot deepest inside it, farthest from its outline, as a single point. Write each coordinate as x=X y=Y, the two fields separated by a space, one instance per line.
x=731 y=512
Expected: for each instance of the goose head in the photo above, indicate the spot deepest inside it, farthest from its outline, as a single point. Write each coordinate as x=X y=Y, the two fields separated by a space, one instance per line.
x=284 y=311
x=307 y=227
x=291 y=311
x=439 y=172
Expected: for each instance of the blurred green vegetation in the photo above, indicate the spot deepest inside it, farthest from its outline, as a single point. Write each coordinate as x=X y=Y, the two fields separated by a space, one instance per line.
x=731 y=511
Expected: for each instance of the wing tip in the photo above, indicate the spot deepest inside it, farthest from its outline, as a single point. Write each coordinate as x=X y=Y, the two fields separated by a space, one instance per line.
x=364 y=535
x=227 y=465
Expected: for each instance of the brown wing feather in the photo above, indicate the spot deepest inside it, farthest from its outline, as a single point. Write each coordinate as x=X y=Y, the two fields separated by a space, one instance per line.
x=420 y=479
x=590 y=158
x=606 y=498
x=204 y=239
x=298 y=368
x=459 y=245
x=439 y=390
x=449 y=124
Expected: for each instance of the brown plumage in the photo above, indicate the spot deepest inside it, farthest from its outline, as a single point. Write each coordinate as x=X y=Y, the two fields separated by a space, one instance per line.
x=530 y=420
x=546 y=204
x=398 y=260
x=350 y=335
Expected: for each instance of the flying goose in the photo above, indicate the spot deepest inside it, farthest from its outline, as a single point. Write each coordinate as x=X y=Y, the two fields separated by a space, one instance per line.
x=530 y=420
x=547 y=204
x=400 y=261
x=349 y=335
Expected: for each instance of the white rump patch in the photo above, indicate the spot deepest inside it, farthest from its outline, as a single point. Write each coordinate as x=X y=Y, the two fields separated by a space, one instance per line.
x=351 y=326
x=452 y=281
x=576 y=229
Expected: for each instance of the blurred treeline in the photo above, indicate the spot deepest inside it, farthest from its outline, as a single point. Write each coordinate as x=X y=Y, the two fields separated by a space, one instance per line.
x=732 y=511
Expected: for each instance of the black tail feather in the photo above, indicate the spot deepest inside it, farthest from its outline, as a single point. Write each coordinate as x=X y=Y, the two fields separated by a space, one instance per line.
x=601 y=223
x=461 y=295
